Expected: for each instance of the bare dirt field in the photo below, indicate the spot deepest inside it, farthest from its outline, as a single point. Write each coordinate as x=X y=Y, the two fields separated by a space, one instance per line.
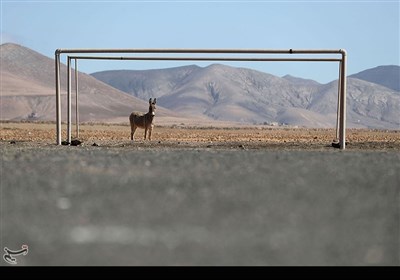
x=200 y=196
x=204 y=137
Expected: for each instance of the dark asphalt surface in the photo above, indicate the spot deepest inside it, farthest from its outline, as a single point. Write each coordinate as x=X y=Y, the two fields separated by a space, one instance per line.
x=122 y=206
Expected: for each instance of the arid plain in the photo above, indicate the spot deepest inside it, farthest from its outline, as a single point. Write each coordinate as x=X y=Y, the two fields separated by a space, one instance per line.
x=181 y=136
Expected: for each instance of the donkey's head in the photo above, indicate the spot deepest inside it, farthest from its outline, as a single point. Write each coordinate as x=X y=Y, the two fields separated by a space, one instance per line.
x=152 y=106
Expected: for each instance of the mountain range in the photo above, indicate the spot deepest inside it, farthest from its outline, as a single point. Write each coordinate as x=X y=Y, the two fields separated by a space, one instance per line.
x=28 y=91
x=197 y=94
x=227 y=93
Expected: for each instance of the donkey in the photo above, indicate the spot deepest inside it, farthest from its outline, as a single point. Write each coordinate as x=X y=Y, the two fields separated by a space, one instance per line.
x=143 y=120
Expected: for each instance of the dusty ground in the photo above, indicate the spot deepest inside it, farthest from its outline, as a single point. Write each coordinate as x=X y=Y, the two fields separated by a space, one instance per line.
x=205 y=137
x=200 y=196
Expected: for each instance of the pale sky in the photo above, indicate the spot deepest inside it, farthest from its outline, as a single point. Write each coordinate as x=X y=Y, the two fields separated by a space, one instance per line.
x=368 y=30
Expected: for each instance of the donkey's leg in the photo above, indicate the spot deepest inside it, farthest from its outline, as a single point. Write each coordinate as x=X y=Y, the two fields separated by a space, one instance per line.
x=150 y=131
x=133 y=129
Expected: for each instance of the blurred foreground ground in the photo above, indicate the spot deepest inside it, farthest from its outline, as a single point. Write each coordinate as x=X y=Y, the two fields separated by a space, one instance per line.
x=191 y=198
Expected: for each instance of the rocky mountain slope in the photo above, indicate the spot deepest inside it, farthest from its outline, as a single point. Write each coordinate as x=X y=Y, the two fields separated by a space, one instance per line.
x=227 y=93
x=28 y=91
x=387 y=76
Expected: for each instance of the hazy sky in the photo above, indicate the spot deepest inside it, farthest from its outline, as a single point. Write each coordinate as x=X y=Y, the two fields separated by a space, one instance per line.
x=368 y=30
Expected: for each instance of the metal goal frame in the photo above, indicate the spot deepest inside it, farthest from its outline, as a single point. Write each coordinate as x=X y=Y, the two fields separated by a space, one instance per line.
x=338 y=55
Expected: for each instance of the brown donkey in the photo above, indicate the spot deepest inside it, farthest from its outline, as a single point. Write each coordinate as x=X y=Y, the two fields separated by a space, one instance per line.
x=143 y=120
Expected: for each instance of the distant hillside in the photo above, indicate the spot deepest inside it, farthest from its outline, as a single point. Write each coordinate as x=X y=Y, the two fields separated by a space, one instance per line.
x=227 y=93
x=146 y=83
x=190 y=94
x=387 y=76
x=28 y=91
x=300 y=81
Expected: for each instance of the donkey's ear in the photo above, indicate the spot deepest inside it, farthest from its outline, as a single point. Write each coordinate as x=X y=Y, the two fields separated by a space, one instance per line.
x=155 y=101
x=150 y=101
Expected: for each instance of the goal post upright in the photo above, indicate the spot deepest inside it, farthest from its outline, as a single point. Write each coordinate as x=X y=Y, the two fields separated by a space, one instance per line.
x=76 y=99
x=58 y=97
x=69 y=113
x=341 y=105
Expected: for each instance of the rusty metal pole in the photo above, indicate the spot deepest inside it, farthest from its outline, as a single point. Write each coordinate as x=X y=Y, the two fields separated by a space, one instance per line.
x=76 y=99
x=342 y=132
x=69 y=99
x=58 y=98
